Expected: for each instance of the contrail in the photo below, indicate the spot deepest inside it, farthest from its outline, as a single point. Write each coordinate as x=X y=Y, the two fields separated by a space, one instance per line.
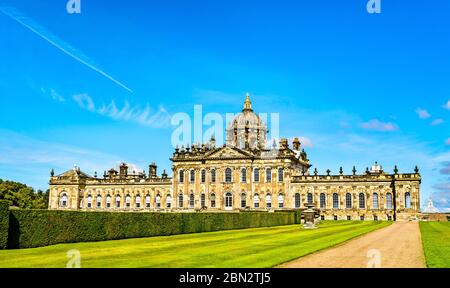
x=55 y=41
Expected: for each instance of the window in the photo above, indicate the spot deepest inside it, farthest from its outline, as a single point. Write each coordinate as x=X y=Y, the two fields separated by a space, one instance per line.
x=158 y=201
x=349 y=218
x=361 y=218
x=309 y=197
x=89 y=201
x=63 y=200
x=228 y=175
x=388 y=201
x=256 y=201
x=138 y=201
x=389 y=218
x=348 y=201
x=322 y=201
x=127 y=201
x=213 y=200
x=203 y=200
x=243 y=200
x=99 y=202
x=203 y=176
x=213 y=175
x=297 y=200
x=147 y=201
x=322 y=217
x=117 y=201
x=280 y=174
x=181 y=176
x=192 y=176
x=375 y=218
x=362 y=201
x=256 y=175
x=180 y=201
x=168 y=201
x=108 y=201
x=191 y=201
x=228 y=200
x=268 y=175
x=268 y=201
x=243 y=175
x=335 y=218
x=335 y=201
x=407 y=200
x=375 y=201
x=280 y=200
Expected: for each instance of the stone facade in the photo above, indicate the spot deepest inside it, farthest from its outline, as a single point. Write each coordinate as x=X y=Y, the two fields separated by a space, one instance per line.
x=242 y=175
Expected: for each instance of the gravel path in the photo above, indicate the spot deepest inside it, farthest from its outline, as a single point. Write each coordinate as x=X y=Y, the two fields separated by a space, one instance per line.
x=397 y=246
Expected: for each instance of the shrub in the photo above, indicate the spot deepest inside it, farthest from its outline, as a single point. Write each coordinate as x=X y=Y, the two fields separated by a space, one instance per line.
x=4 y=223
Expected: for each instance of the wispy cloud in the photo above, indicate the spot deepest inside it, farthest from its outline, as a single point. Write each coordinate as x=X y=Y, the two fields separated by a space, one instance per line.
x=447 y=141
x=377 y=125
x=143 y=116
x=436 y=122
x=422 y=113
x=56 y=42
x=447 y=105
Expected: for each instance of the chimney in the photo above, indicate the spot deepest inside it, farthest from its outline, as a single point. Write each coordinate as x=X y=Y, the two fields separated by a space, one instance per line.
x=152 y=170
x=296 y=144
x=283 y=144
x=123 y=170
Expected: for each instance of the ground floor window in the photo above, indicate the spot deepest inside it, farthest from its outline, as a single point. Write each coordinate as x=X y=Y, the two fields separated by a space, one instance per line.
x=63 y=200
x=243 y=200
x=256 y=201
x=128 y=201
x=322 y=201
x=203 y=200
x=158 y=201
x=228 y=200
x=108 y=201
x=268 y=201
x=349 y=218
x=180 y=201
x=99 y=201
x=389 y=218
x=280 y=201
x=322 y=217
x=335 y=217
x=89 y=201
x=138 y=201
x=375 y=218
x=297 y=200
x=168 y=201
x=361 y=218
x=213 y=200
x=191 y=201
x=117 y=201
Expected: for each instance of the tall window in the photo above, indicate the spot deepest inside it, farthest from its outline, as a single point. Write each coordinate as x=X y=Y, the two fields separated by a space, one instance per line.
x=388 y=201
x=213 y=200
x=256 y=201
x=243 y=200
x=147 y=201
x=309 y=197
x=280 y=200
x=297 y=200
x=203 y=176
x=268 y=201
x=191 y=201
x=117 y=201
x=63 y=200
x=98 y=203
x=158 y=201
x=180 y=201
x=244 y=175
x=213 y=175
x=335 y=201
x=108 y=201
x=256 y=174
x=362 y=201
x=280 y=175
x=138 y=201
x=322 y=201
x=192 y=176
x=127 y=201
x=228 y=200
x=89 y=201
x=407 y=200
x=181 y=176
x=268 y=175
x=348 y=201
x=228 y=175
x=375 y=201
x=168 y=201
x=203 y=200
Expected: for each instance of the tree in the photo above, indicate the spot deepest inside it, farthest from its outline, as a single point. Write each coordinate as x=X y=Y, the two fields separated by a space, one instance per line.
x=23 y=196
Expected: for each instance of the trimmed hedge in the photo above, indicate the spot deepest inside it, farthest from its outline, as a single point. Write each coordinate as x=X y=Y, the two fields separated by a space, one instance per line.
x=35 y=228
x=4 y=223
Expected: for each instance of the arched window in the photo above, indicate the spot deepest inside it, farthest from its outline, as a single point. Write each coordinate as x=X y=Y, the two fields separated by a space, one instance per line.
x=228 y=200
x=375 y=201
x=147 y=201
x=63 y=200
x=117 y=201
x=213 y=175
x=158 y=201
x=192 y=176
x=280 y=175
x=180 y=201
x=268 y=175
x=309 y=197
x=203 y=176
x=127 y=201
x=138 y=201
x=268 y=201
x=362 y=201
x=256 y=201
x=335 y=201
x=243 y=200
x=203 y=200
x=348 y=201
x=108 y=201
x=244 y=175
x=297 y=200
x=89 y=201
x=99 y=202
x=256 y=175
x=228 y=178
x=280 y=200
x=407 y=200
x=322 y=201
x=213 y=200
x=168 y=201
x=191 y=200
x=181 y=176
x=388 y=201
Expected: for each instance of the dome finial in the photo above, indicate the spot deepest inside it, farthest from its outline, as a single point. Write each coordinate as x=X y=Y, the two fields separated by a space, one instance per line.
x=247 y=103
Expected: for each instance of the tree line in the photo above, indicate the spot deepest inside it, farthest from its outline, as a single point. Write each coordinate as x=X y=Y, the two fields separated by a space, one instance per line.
x=22 y=196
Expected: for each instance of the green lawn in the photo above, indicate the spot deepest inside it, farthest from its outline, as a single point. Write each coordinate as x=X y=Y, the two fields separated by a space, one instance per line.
x=436 y=243
x=257 y=247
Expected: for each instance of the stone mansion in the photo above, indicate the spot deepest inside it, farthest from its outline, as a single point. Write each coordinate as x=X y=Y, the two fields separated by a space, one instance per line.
x=243 y=174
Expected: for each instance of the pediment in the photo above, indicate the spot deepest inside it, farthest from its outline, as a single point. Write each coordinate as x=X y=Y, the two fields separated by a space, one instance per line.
x=229 y=152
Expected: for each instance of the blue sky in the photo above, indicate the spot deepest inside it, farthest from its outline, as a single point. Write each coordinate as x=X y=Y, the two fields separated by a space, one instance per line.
x=99 y=87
